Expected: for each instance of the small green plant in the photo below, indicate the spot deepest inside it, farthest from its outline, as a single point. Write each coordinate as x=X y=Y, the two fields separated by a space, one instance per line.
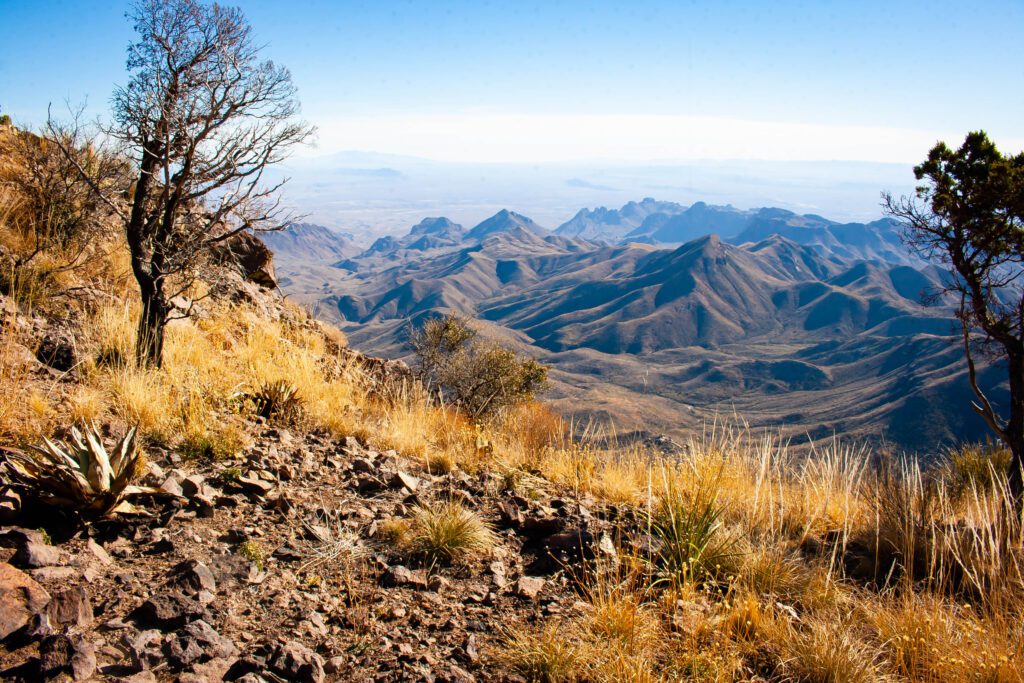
x=688 y=525
x=447 y=532
x=47 y=538
x=229 y=475
x=79 y=474
x=278 y=400
x=254 y=552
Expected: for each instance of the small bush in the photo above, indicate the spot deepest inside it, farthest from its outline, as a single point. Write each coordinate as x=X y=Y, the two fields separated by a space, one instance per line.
x=447 y=532
x=975 y=467
x=479 y=376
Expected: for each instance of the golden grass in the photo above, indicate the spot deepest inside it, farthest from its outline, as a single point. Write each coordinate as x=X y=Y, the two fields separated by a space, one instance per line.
x=448 y=532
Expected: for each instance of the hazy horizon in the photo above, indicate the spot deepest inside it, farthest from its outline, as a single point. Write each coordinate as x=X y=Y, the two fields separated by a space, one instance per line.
x=546 y=109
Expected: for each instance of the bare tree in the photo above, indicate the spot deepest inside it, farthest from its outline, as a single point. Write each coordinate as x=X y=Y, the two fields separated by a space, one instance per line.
x=203 y=118
x=969 y=216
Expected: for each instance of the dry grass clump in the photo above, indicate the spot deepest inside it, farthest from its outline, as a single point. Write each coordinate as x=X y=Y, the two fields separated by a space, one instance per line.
x=546 y=654
x=830 y=651
x=448 y=532
x=924 y=638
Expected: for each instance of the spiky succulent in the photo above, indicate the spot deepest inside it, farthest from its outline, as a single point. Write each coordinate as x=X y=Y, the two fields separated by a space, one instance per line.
x=79 y=474
x=277 y=399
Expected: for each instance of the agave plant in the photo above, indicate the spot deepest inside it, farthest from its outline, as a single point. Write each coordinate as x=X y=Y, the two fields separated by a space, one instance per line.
x=277 y=399
x=79 y=474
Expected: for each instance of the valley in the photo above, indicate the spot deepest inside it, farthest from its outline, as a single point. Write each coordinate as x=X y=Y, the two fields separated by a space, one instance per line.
x=658 y=317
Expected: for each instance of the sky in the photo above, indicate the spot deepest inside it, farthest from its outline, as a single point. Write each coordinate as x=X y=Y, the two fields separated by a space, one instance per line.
x=491 y=81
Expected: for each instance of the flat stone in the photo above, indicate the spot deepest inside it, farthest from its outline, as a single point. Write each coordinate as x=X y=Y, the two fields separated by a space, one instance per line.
x=20 y=598
x=99 y=552
x=144 y=648
x=168 y=611
x=498 y=573
x=528 y=587
x=172 y=485
x=400 y=576
x=10 y=505
x=192 y=485
x=140 y=677
x=70 y=607
x=194 y=576
x=31 y=550
x=457 y=674
x=63 y=654
x=471 y=649
x=541 y=526
x=364 y=466
x=197 y=642
x=404 y=480
x=56 y=574
x=254 y=485
x=369 y=484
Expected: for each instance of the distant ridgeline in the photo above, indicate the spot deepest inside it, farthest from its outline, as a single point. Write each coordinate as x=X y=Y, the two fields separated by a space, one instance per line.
x=659 y=316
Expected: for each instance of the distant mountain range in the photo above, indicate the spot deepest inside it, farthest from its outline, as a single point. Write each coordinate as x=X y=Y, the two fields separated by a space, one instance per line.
x=797 y=322
x=310 y=242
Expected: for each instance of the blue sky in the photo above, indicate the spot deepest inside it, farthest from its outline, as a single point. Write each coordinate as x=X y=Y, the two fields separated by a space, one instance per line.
x=522 y=81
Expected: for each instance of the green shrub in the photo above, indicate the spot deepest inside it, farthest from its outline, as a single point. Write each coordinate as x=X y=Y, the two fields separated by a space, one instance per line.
x=479 y=376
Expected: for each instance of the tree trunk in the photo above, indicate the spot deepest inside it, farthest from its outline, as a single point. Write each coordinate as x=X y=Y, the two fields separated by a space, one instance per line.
x=1014 y=431
x=149 y=345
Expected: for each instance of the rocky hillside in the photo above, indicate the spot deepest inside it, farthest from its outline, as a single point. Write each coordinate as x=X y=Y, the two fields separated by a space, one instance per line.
x=270 y=505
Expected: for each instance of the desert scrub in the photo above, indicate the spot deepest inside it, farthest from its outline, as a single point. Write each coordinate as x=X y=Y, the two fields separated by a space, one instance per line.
x=448 y=532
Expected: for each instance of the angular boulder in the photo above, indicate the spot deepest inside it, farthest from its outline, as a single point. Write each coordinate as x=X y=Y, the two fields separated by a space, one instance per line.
x=20 y=599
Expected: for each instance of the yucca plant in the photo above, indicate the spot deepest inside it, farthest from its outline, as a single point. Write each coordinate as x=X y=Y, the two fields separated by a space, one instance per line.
x=79 y=474
x=688 y=527
x=276 y=399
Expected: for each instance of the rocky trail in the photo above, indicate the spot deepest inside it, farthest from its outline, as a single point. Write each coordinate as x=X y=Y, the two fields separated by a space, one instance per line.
x=277 y=567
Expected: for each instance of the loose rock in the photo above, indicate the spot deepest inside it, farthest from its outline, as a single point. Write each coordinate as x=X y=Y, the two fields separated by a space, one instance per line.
x=20 y=598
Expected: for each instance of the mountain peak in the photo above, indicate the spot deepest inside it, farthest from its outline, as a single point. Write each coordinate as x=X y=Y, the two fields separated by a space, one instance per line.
x=435 y=226
x=504 y=221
